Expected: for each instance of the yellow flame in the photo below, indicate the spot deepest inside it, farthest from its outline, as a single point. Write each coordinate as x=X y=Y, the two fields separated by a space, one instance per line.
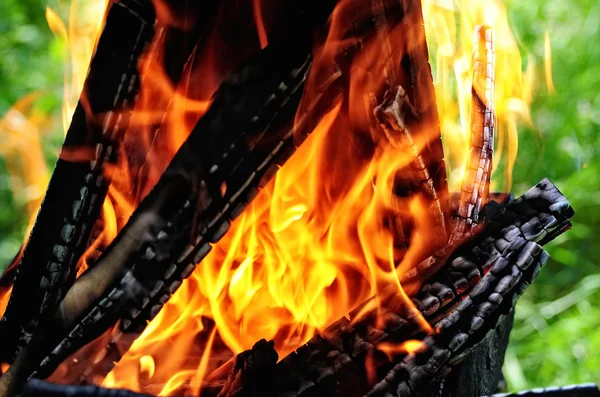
x=79 y=38
x=303 y=254
x=21 y=148
x=548 y=63
x=449 y=26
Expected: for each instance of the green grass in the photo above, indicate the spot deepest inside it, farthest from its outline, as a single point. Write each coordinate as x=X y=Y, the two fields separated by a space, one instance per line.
x=555 y=340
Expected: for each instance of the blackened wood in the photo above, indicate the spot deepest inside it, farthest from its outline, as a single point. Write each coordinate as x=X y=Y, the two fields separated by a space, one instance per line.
x=246 y=134
x=39 y=388
x=476 y=182
x=252 y=371
x=394 y=115
x=419 y=87
x=175 y=49
x=583 y=390
x=457 y=334
x=481 y=372
x=335 y=362
x=78 y=187
x=407 y=110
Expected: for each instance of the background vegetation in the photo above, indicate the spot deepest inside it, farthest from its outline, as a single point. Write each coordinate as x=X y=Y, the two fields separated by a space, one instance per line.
x=555 y=340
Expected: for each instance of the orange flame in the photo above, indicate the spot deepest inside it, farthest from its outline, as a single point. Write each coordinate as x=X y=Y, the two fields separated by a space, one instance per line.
x=314 y=243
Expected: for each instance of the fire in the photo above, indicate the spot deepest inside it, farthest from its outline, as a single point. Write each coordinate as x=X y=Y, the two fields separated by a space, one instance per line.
x=314 y=243
x=79 y=37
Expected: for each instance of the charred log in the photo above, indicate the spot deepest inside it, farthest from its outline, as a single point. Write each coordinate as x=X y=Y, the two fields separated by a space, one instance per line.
x=339 y=360
x=481 y=372
x=247 y=133
x=38 y=388
x=78 y=186
x=475 y=187
x=252 y=371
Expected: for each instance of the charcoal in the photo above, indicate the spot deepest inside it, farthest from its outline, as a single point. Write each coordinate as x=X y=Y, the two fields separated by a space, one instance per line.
x=77 y=188
x=537 y=203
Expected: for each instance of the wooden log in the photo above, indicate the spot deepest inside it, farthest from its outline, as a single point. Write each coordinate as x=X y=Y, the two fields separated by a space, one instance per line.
x=457 y=334
x=338 y=360
x=406 y=114
x=78 y=186
x=247 y=133
x=39 y=388
x=475 y=185
x=334 y=358
x=394 y=116
x=481 y=372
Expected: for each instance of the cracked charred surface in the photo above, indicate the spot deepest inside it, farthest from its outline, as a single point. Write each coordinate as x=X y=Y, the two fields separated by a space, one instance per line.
x=348 y=355
x=475 y=185
x=137 y=291
x=504 y=280
x=78 y=186
x=246 y=134
x=211 y=180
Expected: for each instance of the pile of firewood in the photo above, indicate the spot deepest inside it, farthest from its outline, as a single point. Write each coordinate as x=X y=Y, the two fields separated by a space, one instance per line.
x=485 y=252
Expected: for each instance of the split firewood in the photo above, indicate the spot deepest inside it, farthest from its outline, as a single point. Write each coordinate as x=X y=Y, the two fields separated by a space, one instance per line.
x=78 y=185
x=167 y=237
x=252 y=371
x=175 y=48
x=420 y=89
x=39 y=388
x=244 y=137
x=393 y=116
x=538 y=216
x=338 y=360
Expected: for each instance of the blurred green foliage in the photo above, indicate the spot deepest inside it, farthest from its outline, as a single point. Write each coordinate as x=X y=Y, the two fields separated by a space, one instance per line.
x=555 y=340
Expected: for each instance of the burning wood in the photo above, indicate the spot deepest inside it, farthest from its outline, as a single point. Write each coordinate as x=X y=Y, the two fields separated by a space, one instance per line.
x=246 y=135
x=77 y=189
x=434 y=304
x=37 y=388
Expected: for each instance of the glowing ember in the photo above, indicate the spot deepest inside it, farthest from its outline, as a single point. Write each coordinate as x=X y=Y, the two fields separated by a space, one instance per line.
x=314 y=243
